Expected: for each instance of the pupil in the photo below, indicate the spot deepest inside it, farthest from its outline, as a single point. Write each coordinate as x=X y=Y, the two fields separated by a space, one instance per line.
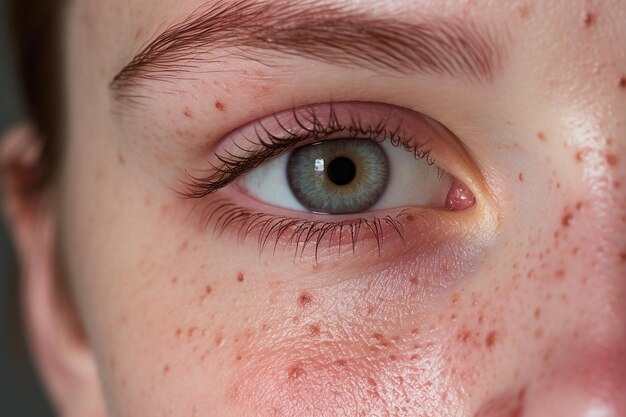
x=341 y=171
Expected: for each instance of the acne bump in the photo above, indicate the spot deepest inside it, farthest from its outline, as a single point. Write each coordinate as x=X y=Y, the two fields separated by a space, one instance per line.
x=589 y=19
x=305 y=299
x=491 y=339
x=220 y=106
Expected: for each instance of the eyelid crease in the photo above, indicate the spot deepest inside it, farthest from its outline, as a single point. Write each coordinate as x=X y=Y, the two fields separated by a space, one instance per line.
x=310 y=128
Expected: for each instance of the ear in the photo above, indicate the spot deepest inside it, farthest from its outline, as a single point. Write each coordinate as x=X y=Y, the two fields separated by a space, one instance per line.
x=64 y=358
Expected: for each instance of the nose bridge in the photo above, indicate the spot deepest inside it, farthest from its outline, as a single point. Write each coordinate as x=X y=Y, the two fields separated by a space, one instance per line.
x=600 y=365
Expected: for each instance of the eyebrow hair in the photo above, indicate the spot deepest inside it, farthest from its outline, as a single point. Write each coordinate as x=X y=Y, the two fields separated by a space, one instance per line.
x=313 y=29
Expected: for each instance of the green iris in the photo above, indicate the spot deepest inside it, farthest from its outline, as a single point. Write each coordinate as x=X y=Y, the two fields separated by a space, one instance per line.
x=338 y=176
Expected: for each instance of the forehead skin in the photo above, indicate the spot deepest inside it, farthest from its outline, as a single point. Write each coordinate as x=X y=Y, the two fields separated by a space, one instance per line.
x=183 y=323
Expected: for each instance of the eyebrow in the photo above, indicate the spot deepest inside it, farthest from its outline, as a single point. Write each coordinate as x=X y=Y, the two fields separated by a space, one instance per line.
x=345 y=36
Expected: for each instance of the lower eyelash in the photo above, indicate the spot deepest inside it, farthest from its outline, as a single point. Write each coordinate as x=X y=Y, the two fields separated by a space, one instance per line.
x=300 y=234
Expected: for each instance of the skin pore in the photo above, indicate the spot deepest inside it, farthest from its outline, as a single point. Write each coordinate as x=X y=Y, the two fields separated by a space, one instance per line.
x=511 y=306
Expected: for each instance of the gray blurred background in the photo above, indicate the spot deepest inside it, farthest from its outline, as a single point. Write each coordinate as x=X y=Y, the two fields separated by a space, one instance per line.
x=20 y=393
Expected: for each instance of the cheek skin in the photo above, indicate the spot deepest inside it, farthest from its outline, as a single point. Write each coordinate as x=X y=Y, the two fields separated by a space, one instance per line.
x=331 y=356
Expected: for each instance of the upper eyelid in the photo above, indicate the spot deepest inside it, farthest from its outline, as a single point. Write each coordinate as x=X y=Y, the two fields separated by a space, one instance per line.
x=228 y=166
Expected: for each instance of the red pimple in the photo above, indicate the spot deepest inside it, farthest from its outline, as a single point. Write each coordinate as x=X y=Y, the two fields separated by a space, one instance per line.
x=490 y=341
x=187 y=113
x=612 y=160
x=589 y=19
x=296 y=372
x=240 y=277
x=566 y=220
x=219 y=105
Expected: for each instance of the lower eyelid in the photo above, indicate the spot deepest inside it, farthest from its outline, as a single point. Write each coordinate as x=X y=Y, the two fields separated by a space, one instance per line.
x=327 y=238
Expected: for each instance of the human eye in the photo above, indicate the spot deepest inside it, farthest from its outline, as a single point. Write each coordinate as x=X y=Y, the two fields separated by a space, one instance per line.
x=331 y=175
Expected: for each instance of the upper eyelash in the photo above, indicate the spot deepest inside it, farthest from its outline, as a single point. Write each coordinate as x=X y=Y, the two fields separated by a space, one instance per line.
x=232 y=166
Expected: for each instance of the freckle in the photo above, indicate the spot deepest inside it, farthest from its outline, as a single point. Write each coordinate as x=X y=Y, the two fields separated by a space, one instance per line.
x=463 y=336
x=579 y=156
x=589 y=19
x=560 y=274
x=612 y=160
x=120 y=159
x=537 y=313
x=415 y=331
x=622 y=256
x=314 y=330
x=491 y=339
x=538 y=334
x=621 y=83
x=304 y=299
x=455 y=298
x=179 y=332
x=541 y=136
x=174 y=280
x=521 y=177
x=393 y=357
x=208 y=290
x=220 y=106
x=183 y=246
x=296 y=372
x=523 y=11
x=341 y=362
x=166 y=369
x=238 y=358
x=381 y=339
x=191 y=331
x=413 y=281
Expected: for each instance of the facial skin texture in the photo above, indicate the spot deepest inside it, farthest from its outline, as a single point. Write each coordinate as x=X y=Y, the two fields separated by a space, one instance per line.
x=525 y=314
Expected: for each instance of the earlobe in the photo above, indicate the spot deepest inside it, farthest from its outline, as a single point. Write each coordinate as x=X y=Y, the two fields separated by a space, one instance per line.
x=64 y=358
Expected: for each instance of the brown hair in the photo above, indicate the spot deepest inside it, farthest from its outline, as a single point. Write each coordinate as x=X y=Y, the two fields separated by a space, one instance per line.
x=36 y=33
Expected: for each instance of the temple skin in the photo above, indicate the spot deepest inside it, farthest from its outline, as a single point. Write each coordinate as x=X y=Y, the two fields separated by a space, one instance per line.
x=515 y=307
